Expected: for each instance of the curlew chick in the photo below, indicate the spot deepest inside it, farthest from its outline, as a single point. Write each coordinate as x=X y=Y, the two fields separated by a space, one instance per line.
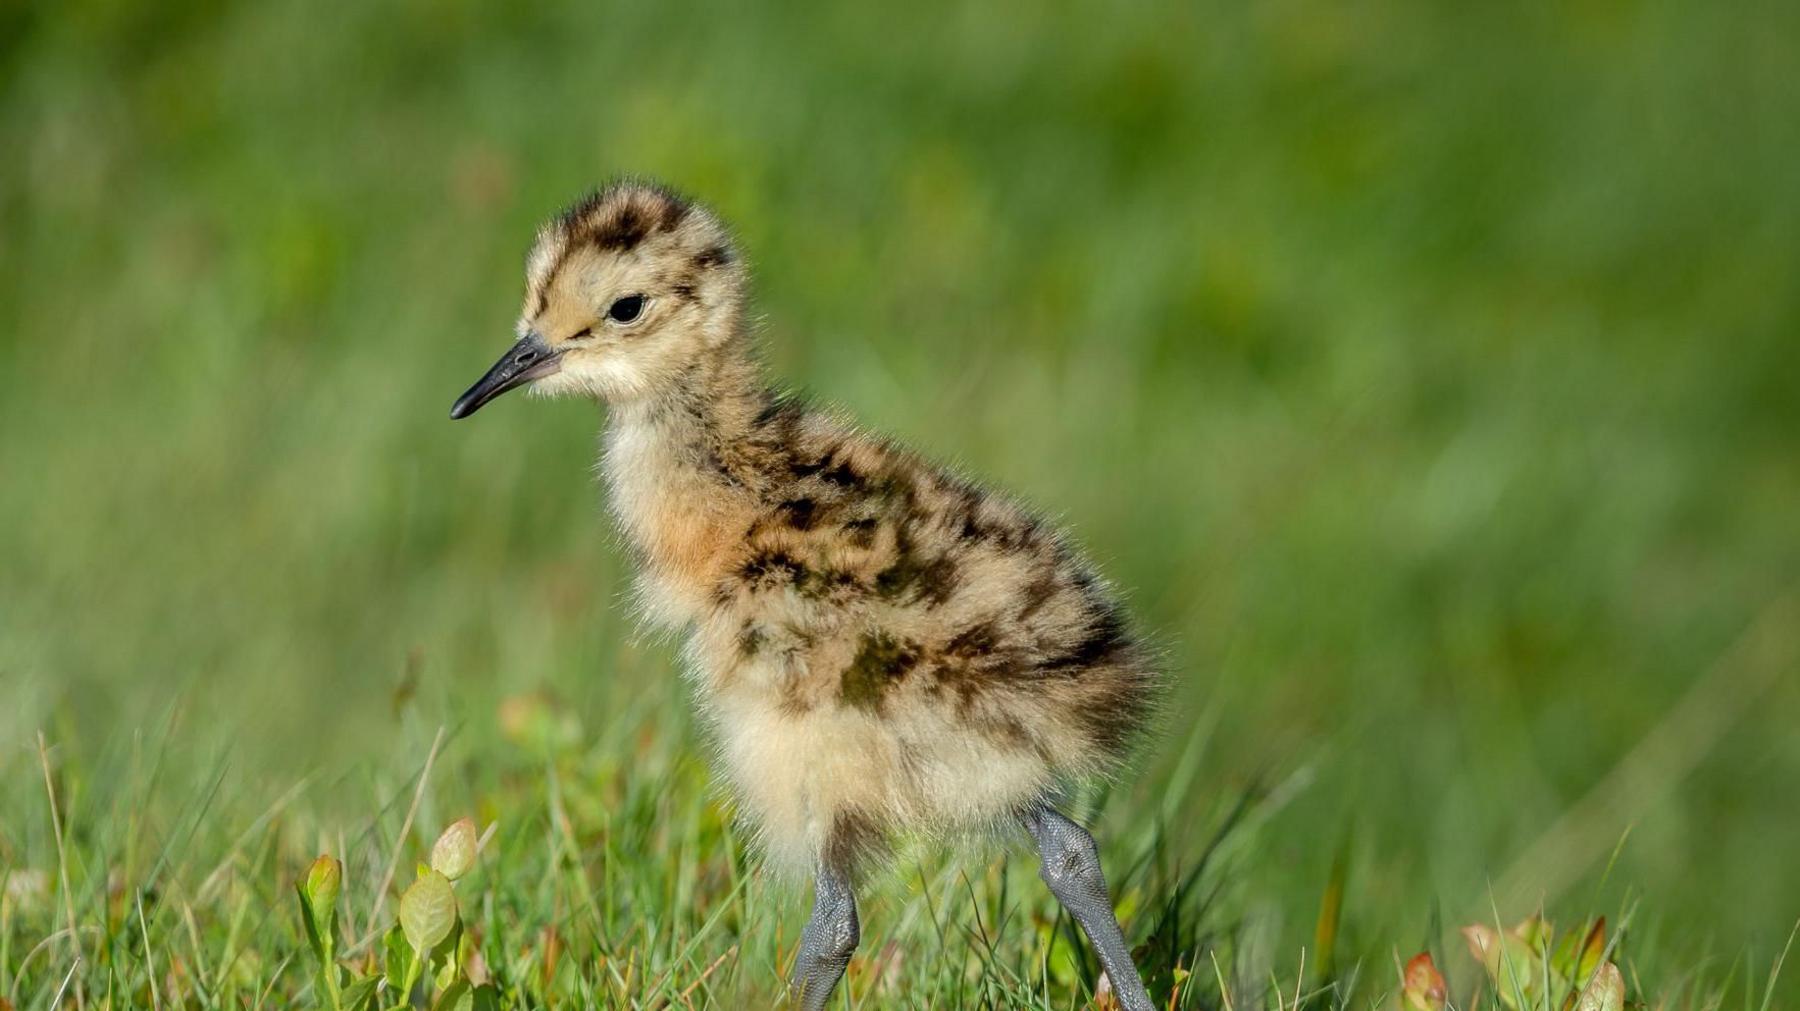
x=880 y=646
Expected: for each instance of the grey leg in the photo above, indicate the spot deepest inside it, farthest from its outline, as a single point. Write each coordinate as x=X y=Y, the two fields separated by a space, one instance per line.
x=1072 y=870
x=827 y=942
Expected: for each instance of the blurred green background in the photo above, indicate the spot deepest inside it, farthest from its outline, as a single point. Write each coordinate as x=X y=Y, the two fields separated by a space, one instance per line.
x=1429 y=373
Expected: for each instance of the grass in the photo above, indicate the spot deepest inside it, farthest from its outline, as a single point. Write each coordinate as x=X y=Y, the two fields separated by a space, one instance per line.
x=608 y=876
x=1426 y=373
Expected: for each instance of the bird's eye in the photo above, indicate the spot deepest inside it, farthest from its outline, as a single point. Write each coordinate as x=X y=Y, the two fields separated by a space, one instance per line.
x=626 y=309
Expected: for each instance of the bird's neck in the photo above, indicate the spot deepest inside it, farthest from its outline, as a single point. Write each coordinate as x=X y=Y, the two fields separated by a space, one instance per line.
x=669 y=468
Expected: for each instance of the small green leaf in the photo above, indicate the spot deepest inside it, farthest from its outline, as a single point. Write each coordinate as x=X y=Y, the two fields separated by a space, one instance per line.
x=1591 y=949
x=1535 y=931
x=361 y=994
x=459 y=996
x=312 y=927
x=428 y=911
x=446 y=957
x=454 y=853
x=318 y=912
x=1514 y=967
x=323 y=881
x=398 y=957
x=487 y=998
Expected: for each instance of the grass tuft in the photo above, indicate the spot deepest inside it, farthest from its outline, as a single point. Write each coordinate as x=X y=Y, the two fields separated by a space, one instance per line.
x=583 y=877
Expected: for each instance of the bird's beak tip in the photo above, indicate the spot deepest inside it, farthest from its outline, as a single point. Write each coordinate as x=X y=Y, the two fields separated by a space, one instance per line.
x=525 y=361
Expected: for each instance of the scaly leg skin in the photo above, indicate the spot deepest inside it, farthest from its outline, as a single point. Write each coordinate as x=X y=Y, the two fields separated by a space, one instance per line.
x=827 y=942
x=1072 y=870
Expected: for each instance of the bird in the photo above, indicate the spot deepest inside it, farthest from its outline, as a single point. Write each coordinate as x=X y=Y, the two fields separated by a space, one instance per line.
x=880 y=647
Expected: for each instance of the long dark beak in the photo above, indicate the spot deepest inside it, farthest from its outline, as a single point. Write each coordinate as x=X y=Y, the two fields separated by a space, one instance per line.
x=529 y=359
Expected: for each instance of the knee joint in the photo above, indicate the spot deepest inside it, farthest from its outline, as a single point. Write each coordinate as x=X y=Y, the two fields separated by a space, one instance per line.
x=842 y=932
x=1073 y=863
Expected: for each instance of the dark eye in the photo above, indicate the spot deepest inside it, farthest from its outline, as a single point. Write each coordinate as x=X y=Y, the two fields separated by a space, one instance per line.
x=626 y=309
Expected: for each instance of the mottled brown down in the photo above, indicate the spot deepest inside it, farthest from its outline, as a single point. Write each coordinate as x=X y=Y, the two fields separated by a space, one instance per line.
x=879 y=645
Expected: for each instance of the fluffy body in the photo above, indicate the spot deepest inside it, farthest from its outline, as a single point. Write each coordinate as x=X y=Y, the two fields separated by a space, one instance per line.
x=879 y=645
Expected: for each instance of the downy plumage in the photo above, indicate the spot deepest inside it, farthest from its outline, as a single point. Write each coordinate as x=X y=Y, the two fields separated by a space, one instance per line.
x=880 y=646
